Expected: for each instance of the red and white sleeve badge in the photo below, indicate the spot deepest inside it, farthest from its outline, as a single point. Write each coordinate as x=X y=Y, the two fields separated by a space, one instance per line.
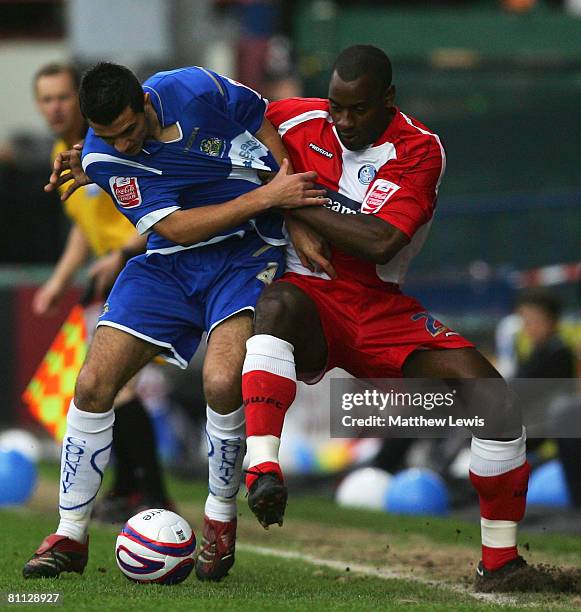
x=126 y=191
x=377 y=196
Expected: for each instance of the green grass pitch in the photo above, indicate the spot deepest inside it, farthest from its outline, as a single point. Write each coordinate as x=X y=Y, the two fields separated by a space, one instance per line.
x=433 y=561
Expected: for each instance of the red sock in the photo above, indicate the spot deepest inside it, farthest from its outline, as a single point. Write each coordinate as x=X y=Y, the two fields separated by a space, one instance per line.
x=266 y=399
x=495 y=558
x=502 y=498
x=262 y=468
x=268 y=389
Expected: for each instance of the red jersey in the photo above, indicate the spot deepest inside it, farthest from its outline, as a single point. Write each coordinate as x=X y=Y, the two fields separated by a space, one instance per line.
x=396 y=179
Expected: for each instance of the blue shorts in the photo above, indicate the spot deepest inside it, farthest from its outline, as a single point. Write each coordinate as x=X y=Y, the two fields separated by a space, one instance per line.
x=170 y=300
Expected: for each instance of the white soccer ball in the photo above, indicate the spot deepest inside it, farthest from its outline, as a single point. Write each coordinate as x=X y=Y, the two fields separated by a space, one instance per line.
x=364 y=488
x=22 y=441
x=156 y=545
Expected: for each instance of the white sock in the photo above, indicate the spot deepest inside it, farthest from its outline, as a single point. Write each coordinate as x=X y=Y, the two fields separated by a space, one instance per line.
x=220 y=508
x=225 y=434
x=493 y=458
x=260 y=449
x=268 y=354
x=85 y=454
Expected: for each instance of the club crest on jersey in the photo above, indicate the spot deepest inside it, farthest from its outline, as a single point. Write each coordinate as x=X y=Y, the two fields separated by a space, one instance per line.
x=377 y=196
x=212 y=146
x=320 y=150
x=126 y=191
x=366 y=174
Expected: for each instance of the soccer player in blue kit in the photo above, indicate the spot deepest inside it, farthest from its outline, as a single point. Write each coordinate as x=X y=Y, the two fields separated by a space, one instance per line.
x=167 y=152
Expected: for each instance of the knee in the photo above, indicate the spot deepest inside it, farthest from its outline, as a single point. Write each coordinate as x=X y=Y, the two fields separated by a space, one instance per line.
x=92 y=392
x=276 y=310
x=223 y=389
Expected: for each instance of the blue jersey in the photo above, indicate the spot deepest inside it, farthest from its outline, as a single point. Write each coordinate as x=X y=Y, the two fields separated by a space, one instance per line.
x=215 y=158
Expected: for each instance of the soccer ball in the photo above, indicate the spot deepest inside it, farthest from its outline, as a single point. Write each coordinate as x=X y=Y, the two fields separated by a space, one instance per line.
x=156 y=545
x=364 y=488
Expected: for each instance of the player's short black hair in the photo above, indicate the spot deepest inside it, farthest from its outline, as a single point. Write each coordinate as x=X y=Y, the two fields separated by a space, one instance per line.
x=542 y=299
x=107 y=90
x=55 y=68
x=364 y=60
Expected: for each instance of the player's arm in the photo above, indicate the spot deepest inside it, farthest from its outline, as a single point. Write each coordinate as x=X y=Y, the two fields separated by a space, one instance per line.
x=270 y=138
x=311 y=249
x=107 y=268
x=248 y=108
x=67 y=167
x=283 y=192
x=76 y=251
x=364 y=236
x=399 y=201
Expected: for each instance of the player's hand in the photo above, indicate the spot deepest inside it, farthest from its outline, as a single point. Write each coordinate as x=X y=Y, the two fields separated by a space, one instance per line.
x=104 y=272
x=293 y=190
x=67 y=167
x=46 y=300
x=311 y=248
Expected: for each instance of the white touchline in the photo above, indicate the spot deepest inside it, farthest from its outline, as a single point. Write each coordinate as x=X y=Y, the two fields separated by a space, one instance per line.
x=385 y=574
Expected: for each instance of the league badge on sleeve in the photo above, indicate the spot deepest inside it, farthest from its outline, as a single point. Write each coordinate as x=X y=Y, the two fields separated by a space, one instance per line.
x=377 y=196
x=126 y=191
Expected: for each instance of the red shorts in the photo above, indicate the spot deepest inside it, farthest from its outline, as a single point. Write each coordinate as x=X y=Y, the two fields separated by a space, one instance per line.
x=371 y=331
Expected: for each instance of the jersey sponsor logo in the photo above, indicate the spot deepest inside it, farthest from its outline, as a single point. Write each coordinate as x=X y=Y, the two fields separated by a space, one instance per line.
x=338 y=207
x=320 y=150
x=126 y=191
x=377 y=196
x=339 y=202
x=366 y=174
x=248 y=151
x=212 y=146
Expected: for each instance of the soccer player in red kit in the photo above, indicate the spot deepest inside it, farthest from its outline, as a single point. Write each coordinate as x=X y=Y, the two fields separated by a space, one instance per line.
x=382 y=170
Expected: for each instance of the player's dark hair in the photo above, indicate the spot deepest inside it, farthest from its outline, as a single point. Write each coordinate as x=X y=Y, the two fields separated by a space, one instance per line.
x=107 y=90
x=542 y=299
x=364 y=60
x=55 y=68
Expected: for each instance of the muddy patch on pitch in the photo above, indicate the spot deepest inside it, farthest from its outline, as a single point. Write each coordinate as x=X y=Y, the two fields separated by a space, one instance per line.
x=417 y=556
x=539 y=578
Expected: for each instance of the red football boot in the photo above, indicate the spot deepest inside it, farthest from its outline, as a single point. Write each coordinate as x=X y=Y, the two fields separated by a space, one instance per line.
x=216 y=556
x=57 y=554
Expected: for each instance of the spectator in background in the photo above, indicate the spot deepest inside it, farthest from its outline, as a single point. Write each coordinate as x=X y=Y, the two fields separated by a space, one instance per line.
x=263 y=50
x=99 y=229
x=550 y=357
